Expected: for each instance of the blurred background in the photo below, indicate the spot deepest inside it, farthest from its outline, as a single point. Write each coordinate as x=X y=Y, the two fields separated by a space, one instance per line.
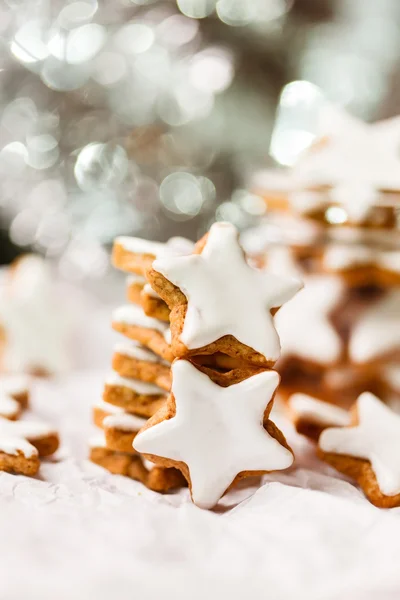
x=149 y=117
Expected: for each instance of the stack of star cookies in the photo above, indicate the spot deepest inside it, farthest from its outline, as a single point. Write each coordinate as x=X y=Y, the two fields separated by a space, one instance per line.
x=334 y=221
x=140 y=379
x=206 y=310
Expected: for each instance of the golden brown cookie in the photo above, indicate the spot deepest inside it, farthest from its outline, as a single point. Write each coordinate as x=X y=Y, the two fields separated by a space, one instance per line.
x=218 y=303
x=311 y=416
x=22 y=443
x=368 y=450
x=216 y=429
x=155 y=478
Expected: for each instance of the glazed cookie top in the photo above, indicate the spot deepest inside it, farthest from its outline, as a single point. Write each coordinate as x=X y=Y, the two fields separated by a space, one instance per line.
x=356 y=160
x=375 y=438
x=316 y=411
x=304 y=326
x=343 y=257
x=175 y=246
x=377 y=332
x=225 y=296
x=217 y=431
x=14 y=436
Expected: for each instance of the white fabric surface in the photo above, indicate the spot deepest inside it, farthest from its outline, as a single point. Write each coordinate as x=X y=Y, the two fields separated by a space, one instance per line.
x=78 y=532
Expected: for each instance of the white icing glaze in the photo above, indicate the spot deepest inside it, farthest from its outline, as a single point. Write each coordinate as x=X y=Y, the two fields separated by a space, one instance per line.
x=134 y=315
x=140 y=387
x=9 y=407
x=133 y=278
x=376 y=438
x=174 y=247
x=226 y=296
x=135 y=350
x=14 y=384
x=148 y=290
x=148 y=464
x=340 y=257
x=35 y=324
x=107 y=407
x=14 y=436
x=303 y=323
x=357 y=163
x=377 y=332
x=316 y=411
x=97 y=441
x=124 y=421
x=217 y=432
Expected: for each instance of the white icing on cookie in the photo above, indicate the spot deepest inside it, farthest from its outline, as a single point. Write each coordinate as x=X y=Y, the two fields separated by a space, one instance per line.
x=133 y=279
x=174 y=247
x=135 y=350
x=107 y=407
x=217 y=432
x=97 y=441
x=318 y=412
x=9 y=408
x=140 y=387
x=148 y=290
x=35 y=324
x=356 y=164
x=377 y=332
x=134 y=315
x=11 y=385
x=376 y=438
x=341 y=257
x=124 y=421
x=14 y=436
x=148 y=464
x=226 y=296
x=303 y=323
x=14 y=384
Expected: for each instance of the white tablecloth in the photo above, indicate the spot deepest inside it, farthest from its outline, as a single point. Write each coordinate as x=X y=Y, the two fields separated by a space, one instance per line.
x=78 y=532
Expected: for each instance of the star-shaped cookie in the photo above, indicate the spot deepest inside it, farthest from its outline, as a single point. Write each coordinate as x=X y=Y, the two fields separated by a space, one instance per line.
x=363 y=264
x=216 y=434
x=219 y=303
x=368 y=451
x=21 y=444
x=356 y=160
x=304 y=325
x=34 y=324
x=377 y=332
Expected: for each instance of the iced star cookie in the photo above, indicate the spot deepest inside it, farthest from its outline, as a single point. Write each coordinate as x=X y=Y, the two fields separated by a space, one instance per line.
x=130 y=360
x=153 y=305
x=155 y=478
x=363 y=265
x=134 y=287
x=120 y=431
x=219 y=303
x=215 y=428
x=152 y=333
x=135 y=255
x=311 y=416
x=368 y=450
x=34 y=326
x=304 y=323
x=133 y=395
x=14 y=395
x=348 y=175
x=22 y=443
x=376 y=333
